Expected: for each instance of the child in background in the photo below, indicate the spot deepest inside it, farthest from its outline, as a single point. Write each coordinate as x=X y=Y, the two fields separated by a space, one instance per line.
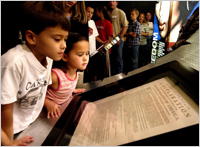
x=104 y=25
x=105 y=30
x=143 y=40
x=93 y=33
x=90 y=74
x=64 y=78
x=133 y=40
x=26 y=69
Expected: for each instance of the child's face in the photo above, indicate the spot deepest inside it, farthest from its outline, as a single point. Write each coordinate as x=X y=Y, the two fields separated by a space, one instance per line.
x=90 y=12
x=98 y=13
x=78 y=57
x=133 y=16
x=50 y=43
x=141 y=18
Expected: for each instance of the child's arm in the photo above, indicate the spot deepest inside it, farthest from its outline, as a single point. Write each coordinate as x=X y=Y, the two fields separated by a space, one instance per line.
x=52 y=108
x=136 y=31
x=55 y=81
x=99 y=40
x=79 y=90
x=7 y=128
x=145 y=34
x=23 y=141
x=130 y=34
x=7 y=122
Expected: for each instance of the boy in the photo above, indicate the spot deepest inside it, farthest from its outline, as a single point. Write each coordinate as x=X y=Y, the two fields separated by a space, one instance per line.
x=24 y=78
x=90 y=74
x=133 y=39
x=93 y=33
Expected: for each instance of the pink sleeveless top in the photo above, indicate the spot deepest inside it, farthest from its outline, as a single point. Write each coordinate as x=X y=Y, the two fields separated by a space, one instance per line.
x=65 y=88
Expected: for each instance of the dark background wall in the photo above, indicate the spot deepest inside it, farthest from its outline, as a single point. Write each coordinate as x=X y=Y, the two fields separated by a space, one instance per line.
x=9 y=24
x=126 y=6
x=10 y=14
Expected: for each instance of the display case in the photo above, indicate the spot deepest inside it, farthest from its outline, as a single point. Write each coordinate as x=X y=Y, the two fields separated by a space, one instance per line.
x=183 y=77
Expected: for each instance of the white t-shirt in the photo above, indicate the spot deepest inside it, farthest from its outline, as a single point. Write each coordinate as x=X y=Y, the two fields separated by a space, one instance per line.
x=150 y=24
x=24 y=82
x=93 y=33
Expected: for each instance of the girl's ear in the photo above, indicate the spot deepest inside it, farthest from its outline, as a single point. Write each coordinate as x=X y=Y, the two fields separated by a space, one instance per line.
x=30 y=37
x=64 y=57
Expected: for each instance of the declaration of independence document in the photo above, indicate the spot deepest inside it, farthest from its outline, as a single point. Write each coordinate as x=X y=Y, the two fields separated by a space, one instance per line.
x=151 y=109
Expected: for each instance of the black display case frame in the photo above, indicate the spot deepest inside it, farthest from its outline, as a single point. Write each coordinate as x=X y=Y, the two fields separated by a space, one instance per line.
x=184 y=76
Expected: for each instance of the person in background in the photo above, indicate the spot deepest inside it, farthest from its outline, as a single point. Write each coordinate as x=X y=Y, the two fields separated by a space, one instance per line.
x=125 y=55
x=26 y=69
x=93 y=32
x=143 y=40
x=90 y=74
x=120 y=26
x=65 y=77
x=133 y=40
x=104 y=27
x=149 y=38
x=76 y=12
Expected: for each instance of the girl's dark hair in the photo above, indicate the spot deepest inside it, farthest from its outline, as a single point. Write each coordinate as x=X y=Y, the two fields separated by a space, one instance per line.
x=38 y=15
x=104 y=11
x=71 y=40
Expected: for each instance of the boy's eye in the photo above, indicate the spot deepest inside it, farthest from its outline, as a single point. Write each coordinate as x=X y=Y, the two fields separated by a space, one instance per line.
x=80 y=55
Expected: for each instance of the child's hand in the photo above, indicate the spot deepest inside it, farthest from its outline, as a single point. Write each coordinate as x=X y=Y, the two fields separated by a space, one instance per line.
x=131 y=33
x=52 y=109
x=79 y=90
x=24 y=141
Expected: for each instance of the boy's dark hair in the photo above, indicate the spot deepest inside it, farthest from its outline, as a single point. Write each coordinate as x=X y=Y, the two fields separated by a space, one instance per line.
x=38 y=15
x=71 y=40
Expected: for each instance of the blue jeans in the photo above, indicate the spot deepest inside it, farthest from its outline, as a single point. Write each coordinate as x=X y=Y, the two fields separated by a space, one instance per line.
x=133 y=53
x=116 y=60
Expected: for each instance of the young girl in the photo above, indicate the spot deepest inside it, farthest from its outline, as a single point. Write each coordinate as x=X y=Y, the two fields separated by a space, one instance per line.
x=64 y=77
x=104 y=27
x=143 y=40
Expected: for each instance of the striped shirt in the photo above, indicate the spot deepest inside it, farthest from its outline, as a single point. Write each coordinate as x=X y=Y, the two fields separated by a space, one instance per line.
x=144 y=29
x=65 y=88
x=134 y=27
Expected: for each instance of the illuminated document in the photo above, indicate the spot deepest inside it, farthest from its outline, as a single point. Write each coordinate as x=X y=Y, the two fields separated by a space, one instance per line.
x=151 y=109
